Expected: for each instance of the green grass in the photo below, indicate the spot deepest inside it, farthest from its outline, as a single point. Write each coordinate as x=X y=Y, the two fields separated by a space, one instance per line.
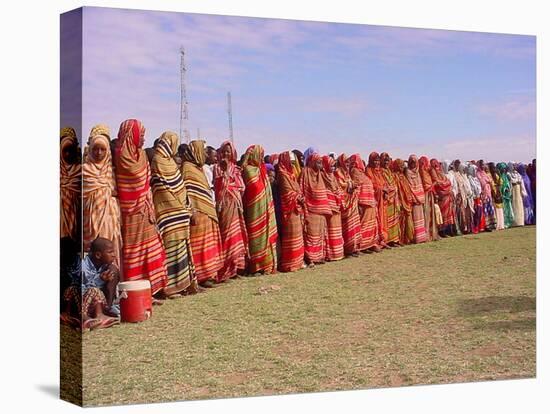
x=461 y=309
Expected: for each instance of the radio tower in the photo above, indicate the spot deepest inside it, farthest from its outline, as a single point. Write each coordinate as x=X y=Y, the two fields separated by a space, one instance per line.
x=230 y=116
x=184 y=114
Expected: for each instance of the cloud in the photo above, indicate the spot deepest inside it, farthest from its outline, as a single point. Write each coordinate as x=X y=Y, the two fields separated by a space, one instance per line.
x=512 y=109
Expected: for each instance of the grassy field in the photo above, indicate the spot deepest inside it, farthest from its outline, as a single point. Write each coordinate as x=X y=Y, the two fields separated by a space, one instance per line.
x=461 y=309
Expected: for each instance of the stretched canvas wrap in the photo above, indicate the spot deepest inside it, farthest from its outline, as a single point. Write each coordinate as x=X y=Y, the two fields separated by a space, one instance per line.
x=261 y=206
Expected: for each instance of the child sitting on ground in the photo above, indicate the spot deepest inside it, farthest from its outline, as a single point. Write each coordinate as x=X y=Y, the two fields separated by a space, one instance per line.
x=99 y=282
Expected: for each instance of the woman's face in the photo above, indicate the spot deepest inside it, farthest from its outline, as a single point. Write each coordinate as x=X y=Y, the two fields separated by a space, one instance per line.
x=411 y=164
x=317 y=166
x=99 y=152
x=271 y=176
x=226 y=153
x=386 y=162
x=376 y=162
x=141 y=138
x=456 y=165
x=69 y=154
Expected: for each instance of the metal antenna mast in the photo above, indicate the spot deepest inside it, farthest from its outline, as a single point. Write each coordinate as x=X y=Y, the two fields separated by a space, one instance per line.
x=184 y=115
x=230 y=116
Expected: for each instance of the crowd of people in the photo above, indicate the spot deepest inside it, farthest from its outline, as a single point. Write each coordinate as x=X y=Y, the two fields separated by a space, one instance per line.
x=187 y=217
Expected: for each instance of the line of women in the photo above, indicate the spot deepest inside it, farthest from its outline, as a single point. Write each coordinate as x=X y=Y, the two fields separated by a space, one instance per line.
x=281 y=212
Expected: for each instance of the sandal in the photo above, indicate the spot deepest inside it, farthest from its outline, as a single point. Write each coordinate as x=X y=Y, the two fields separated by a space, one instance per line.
x=69 y=320
x=106 y=323
x=90 y=324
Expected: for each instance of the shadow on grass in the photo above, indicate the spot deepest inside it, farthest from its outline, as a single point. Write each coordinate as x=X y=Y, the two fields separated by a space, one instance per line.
x=513 y=304
x=526 y=324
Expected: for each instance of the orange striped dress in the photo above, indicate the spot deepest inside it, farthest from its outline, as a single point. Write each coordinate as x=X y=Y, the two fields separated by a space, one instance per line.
x=379 y=184
x=370 y=235
x=351 y=221
x=406 y=198
x=317 y=209
x=420 y=235
x=100 y=210
x=229 y=189
x=259 y=212
x=205 y=237
x=70 y=182
x=392 y=200
x=173 y=215
x=143 y=255
x=292 y=233
x=430 y=222
x=334 y=245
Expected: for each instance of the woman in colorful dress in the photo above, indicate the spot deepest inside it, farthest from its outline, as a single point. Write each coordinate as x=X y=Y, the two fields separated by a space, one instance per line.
x=229 y=189
x=406 y=200
x=518 y=194
x=70 y=184
x=391 y=201
x=464 y=199
x=506 y=191
x=205 y=238
x=334 y=245
x=259 y=213
x=485 y=182
x=496 y=185
x=173 y=213
x=374 y=172
x=297 y=163
x=317 y=208
x=444 y=195
x=478 y=219
x=419 y=198
x=291 y=235
x=143 y=255
x=528 y=198
x=424 y=170
x=100 y=209
x=368 y=210
x=351 y=221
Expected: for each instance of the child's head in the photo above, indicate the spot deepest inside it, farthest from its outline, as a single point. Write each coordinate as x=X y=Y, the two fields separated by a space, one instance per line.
x=211 y=155
x=103 y=251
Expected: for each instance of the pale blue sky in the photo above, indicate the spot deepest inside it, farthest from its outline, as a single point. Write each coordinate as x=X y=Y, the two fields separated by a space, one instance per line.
x=340 y=87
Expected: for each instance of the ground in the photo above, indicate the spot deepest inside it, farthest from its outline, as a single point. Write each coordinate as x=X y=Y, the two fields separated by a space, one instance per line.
x=462 y=309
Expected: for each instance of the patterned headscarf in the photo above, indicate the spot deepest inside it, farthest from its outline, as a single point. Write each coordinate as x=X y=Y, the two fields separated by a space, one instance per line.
x=364 y=183
x=70 y=185
x=356 y=161
x=195 y=153
x=375 y=173
x=313 y=187
x=194 y=179
x=290 y=190
x=406 y=197
x=308 y=152
x=334 y=191
x=415 y=180
x=169 y=194
x=101 y=212
x=132 y=167
x=228 y=181
x=424 y=169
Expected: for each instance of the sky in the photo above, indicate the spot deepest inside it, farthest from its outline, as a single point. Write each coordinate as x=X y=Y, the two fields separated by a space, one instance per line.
x=338 y=87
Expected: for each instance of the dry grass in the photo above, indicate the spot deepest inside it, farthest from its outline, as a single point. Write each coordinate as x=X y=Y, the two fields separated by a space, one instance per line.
x=461 y=309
